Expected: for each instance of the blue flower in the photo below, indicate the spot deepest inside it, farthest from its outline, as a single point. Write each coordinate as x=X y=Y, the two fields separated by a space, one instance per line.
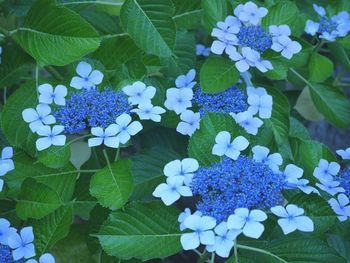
x=344 y=179
x=6 y=255
x=51 y=136
x=139 y=93
x=186 y=81
x=6 y=163
x=48 y=94
x=250 y=13
x=293 y=174
x=127 y=127
x=260 y=104
x=178 y=100
x=147 y=111
x=254 y=37
x=330 y=186
x=22 y=244
x=292 y=219
x=326 y=170
x=345 y=154
x=201 y=50
x=45 y=258
x=182 y=168
x=203 y=233
x=184 y=215
x=38 y=117
x=232 y=100
x=247 y=121
x=341 y=206
x=108 y=136
x=91 y=108
x=189 y=123
x=6 y=231
x=286 y=46
x=230 y=184
x=261 y=154
x=247 y=221
x=224 y=146
x=88 y=78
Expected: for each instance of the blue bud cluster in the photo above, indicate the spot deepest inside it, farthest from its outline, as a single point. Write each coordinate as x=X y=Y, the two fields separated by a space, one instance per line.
x=255 y=37
x=344 y=179
x=91 y=108
x=326 y=25
x=231 y=100
x=230 y=184
x=6 y=255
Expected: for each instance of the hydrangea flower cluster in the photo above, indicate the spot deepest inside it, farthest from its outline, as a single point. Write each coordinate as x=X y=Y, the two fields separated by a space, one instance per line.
x=245 y=41
x=106 y=113
x=328 y=28
x=6 y=163
x=233 y=195
x=232 y=101
x=18 y=247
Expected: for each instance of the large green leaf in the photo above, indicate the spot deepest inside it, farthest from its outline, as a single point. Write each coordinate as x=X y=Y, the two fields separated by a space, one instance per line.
x=188 y=14
x=306 y=108
x=332 y=103
x=149 y=23
x=36 y=203
x=320 y=68
x=16 y=130
x=147 y=169
x=184 y=57
x=55 y=156
x=213 y=12
x=217 y=74
x=62 y=180
x=143 y=231
x=52 y=228
x=56 y=35
x=112 y=185
x=283 y=12
x=203 y=140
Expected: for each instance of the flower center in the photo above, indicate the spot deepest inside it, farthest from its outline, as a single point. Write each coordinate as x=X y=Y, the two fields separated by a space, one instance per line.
x=254 y=37
x=326 y=25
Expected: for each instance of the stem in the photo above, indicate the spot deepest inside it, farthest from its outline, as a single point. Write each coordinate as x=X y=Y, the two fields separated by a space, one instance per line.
x=204 y=257
x=5 y=95
x=37 y=79
x=212 y=259
x=117 y=155
x=107 y=160
x=77 y=139
x=261 y=251
x=54 y=72
x=235 y=251
x=247 y=79
x=300 y=77
x=318 y=47
x=197 y=252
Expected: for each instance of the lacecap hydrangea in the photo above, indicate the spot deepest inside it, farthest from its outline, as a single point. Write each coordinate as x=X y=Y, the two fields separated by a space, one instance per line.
x=232 y=195
x=189 y=101
x=105 y=114
x=328 y=28
x=245 y=41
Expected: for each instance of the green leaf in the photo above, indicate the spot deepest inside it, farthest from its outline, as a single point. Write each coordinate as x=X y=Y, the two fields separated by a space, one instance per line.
x=306 y=107
x=151 y=225
x=52 y=228
x=112 y=7
x=38 y=203
x=279 y=121
x=56 y=35
x=320 y=68
x=284 y=12
x=279 y=71
x=62 y=180
x=16 y=130
x=188 y=14
x=203 y=140
x=341 y=245
x=217 y=74
x=112 y=185
x=80 y=153
x=213 y=12
x=147 y=169
x=149 y=23
x=55 y=156
x=124 y=50
x=332 y=103
x=184 y=57
x=339 y=54
x=298 y=130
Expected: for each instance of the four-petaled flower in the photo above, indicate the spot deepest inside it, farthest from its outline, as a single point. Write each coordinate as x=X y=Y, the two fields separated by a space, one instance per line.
x=341 y=206
x=147 y=111
x=293 y=174
x=6 y=231
x=186 y=81
x=278 y=31
x=345 y=154
x=172 y=190
x=248 y=122
x=247 y=59
x=260 y=104
x=292 y=219
x=202 y=50
x=203 y=233
x=45 y=258
x=88 y=78
x=38 y=117
x=6 y=155
x=224 y=146
x=326 y=170
x=287 y=46
x=261 y=154
x=126 y=128
x=51 y=137
x=330 y=186
x=186 y=213
x=178 y=100
x=247 y=221
x=139 y=93
x=250 y=13
x=22 y=244
x=48 y=94
x=224 y=240
x=108 y=136
x=184 y=168
x=189 y=122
